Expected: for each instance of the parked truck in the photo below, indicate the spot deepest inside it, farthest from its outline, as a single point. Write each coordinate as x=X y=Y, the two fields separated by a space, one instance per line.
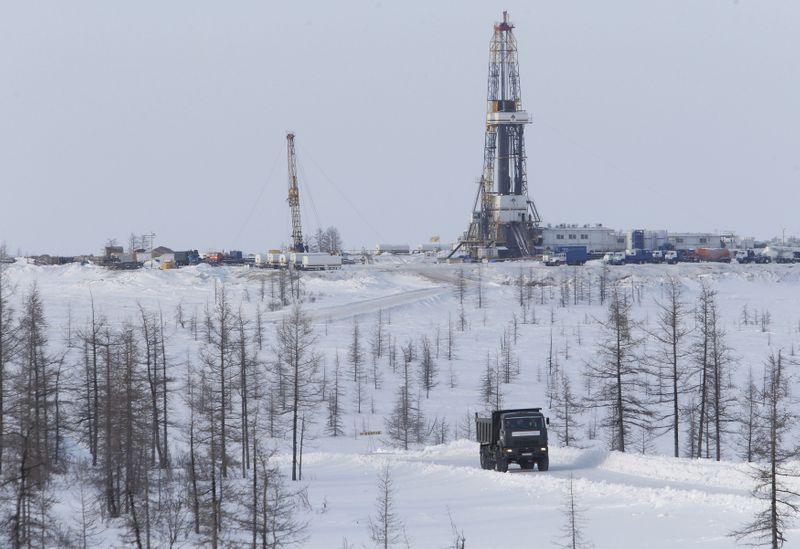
x=315 y=261
x=752 y=256
x=614 y=258
x=554 y=259
x=782 y=254
x=566 y=255
x=716 y=255
x=576 y=255
x=188 y=257
x=513 y=436
x=638 y=256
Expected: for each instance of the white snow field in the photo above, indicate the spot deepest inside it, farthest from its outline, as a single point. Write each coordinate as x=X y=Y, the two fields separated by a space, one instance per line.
x=630 y=500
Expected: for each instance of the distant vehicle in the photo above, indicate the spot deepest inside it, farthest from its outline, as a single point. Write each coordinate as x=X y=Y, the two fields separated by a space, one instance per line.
x=513 y=436
x=751 y=256
x=400 y=249
x=687 y=256
x=782 y=254
x=554 y=259
x=614 y=258
x=657 y=256
x=188 y=257
x=670 y=257
x=320 y=262
x=638 y=256
x=315 y=261
x=234 y=257
x=575 y=255
x=716 y=255
x=566 y=255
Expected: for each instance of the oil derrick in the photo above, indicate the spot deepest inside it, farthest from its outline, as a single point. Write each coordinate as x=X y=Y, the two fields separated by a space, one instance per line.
x=294 y=196
x=505 y=222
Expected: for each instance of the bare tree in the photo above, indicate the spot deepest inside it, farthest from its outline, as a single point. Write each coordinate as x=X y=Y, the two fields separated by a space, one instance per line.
x=750 y=411
x=670 y=334
x=491 y=391
x=769 y=526
x=88 y=530
x=712 y=366
x=616 y=377
x=406 y=419
x=451 y=343
x=428 y=370
x=334 y=426
x=7 y=345
x=572 y=531
x=385 y=527
x=461 y=286
x=218 y=357
x=459 y=540
x=295 y=349
x=565 y=408
x=479 y=288
x=378 y=339
x=355 y=357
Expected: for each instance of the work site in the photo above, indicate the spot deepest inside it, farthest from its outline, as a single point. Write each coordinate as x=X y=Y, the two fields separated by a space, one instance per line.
x=333 y=322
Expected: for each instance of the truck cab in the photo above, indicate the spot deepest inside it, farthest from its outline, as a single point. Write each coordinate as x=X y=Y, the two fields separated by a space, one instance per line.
x=513 y=436
x=554 y=259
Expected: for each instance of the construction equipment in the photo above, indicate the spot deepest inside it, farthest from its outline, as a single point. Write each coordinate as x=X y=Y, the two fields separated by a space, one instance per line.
x=505 y=222
x=294 y=197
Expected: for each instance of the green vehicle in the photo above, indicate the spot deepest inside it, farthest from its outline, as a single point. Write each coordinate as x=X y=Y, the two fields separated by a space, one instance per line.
x=513 y=436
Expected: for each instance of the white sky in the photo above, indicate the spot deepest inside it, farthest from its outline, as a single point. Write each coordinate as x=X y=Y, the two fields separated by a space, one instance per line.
x=170 y=116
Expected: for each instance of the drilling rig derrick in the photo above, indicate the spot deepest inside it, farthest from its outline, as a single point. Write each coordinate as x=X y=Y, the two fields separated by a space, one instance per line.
x=294 y=196
x=505 y=222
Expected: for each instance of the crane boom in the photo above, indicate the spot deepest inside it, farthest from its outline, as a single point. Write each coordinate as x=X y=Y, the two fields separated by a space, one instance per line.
x=294 y=196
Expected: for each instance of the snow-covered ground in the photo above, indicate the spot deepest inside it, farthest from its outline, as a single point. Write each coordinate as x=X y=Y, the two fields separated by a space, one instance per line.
x=630 y=500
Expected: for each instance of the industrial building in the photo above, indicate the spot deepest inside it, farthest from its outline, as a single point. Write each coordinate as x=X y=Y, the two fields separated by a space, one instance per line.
x=596 y=238
x=600 y=239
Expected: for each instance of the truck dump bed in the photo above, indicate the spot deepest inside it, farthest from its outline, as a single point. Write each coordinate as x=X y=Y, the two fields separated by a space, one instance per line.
x=487 y=429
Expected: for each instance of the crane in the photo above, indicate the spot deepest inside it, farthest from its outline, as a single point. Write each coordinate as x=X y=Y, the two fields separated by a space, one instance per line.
x=294 y=196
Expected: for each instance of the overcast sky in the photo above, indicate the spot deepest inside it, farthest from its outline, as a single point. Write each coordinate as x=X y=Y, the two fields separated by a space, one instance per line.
x=171 y=117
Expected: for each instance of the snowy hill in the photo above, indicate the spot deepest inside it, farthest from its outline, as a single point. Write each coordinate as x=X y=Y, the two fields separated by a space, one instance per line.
x=639 y=498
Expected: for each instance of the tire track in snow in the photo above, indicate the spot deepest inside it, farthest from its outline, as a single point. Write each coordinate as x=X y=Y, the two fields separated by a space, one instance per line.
x=603 y=478
x=366 y=306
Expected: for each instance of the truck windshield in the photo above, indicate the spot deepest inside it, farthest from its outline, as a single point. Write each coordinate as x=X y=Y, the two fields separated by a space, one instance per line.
x=515 y=423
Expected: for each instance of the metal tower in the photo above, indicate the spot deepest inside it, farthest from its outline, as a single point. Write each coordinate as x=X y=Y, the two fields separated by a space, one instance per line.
x=294 y=196
x=505 y=222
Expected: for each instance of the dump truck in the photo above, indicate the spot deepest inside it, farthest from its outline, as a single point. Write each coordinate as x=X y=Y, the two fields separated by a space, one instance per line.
x=513 y=436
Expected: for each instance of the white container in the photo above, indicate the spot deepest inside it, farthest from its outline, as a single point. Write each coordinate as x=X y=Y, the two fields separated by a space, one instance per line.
x=321 y=261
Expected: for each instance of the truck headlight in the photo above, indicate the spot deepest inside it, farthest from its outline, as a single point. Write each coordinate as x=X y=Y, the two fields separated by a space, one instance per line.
x=508 y=450
x=543 y=449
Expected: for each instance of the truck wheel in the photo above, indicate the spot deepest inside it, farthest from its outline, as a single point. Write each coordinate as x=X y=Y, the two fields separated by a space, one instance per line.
x=544 y=464
x=486 y=461
x=502 y=465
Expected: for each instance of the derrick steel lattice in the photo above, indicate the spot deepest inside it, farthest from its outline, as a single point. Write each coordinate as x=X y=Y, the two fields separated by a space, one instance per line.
x=504 y=220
